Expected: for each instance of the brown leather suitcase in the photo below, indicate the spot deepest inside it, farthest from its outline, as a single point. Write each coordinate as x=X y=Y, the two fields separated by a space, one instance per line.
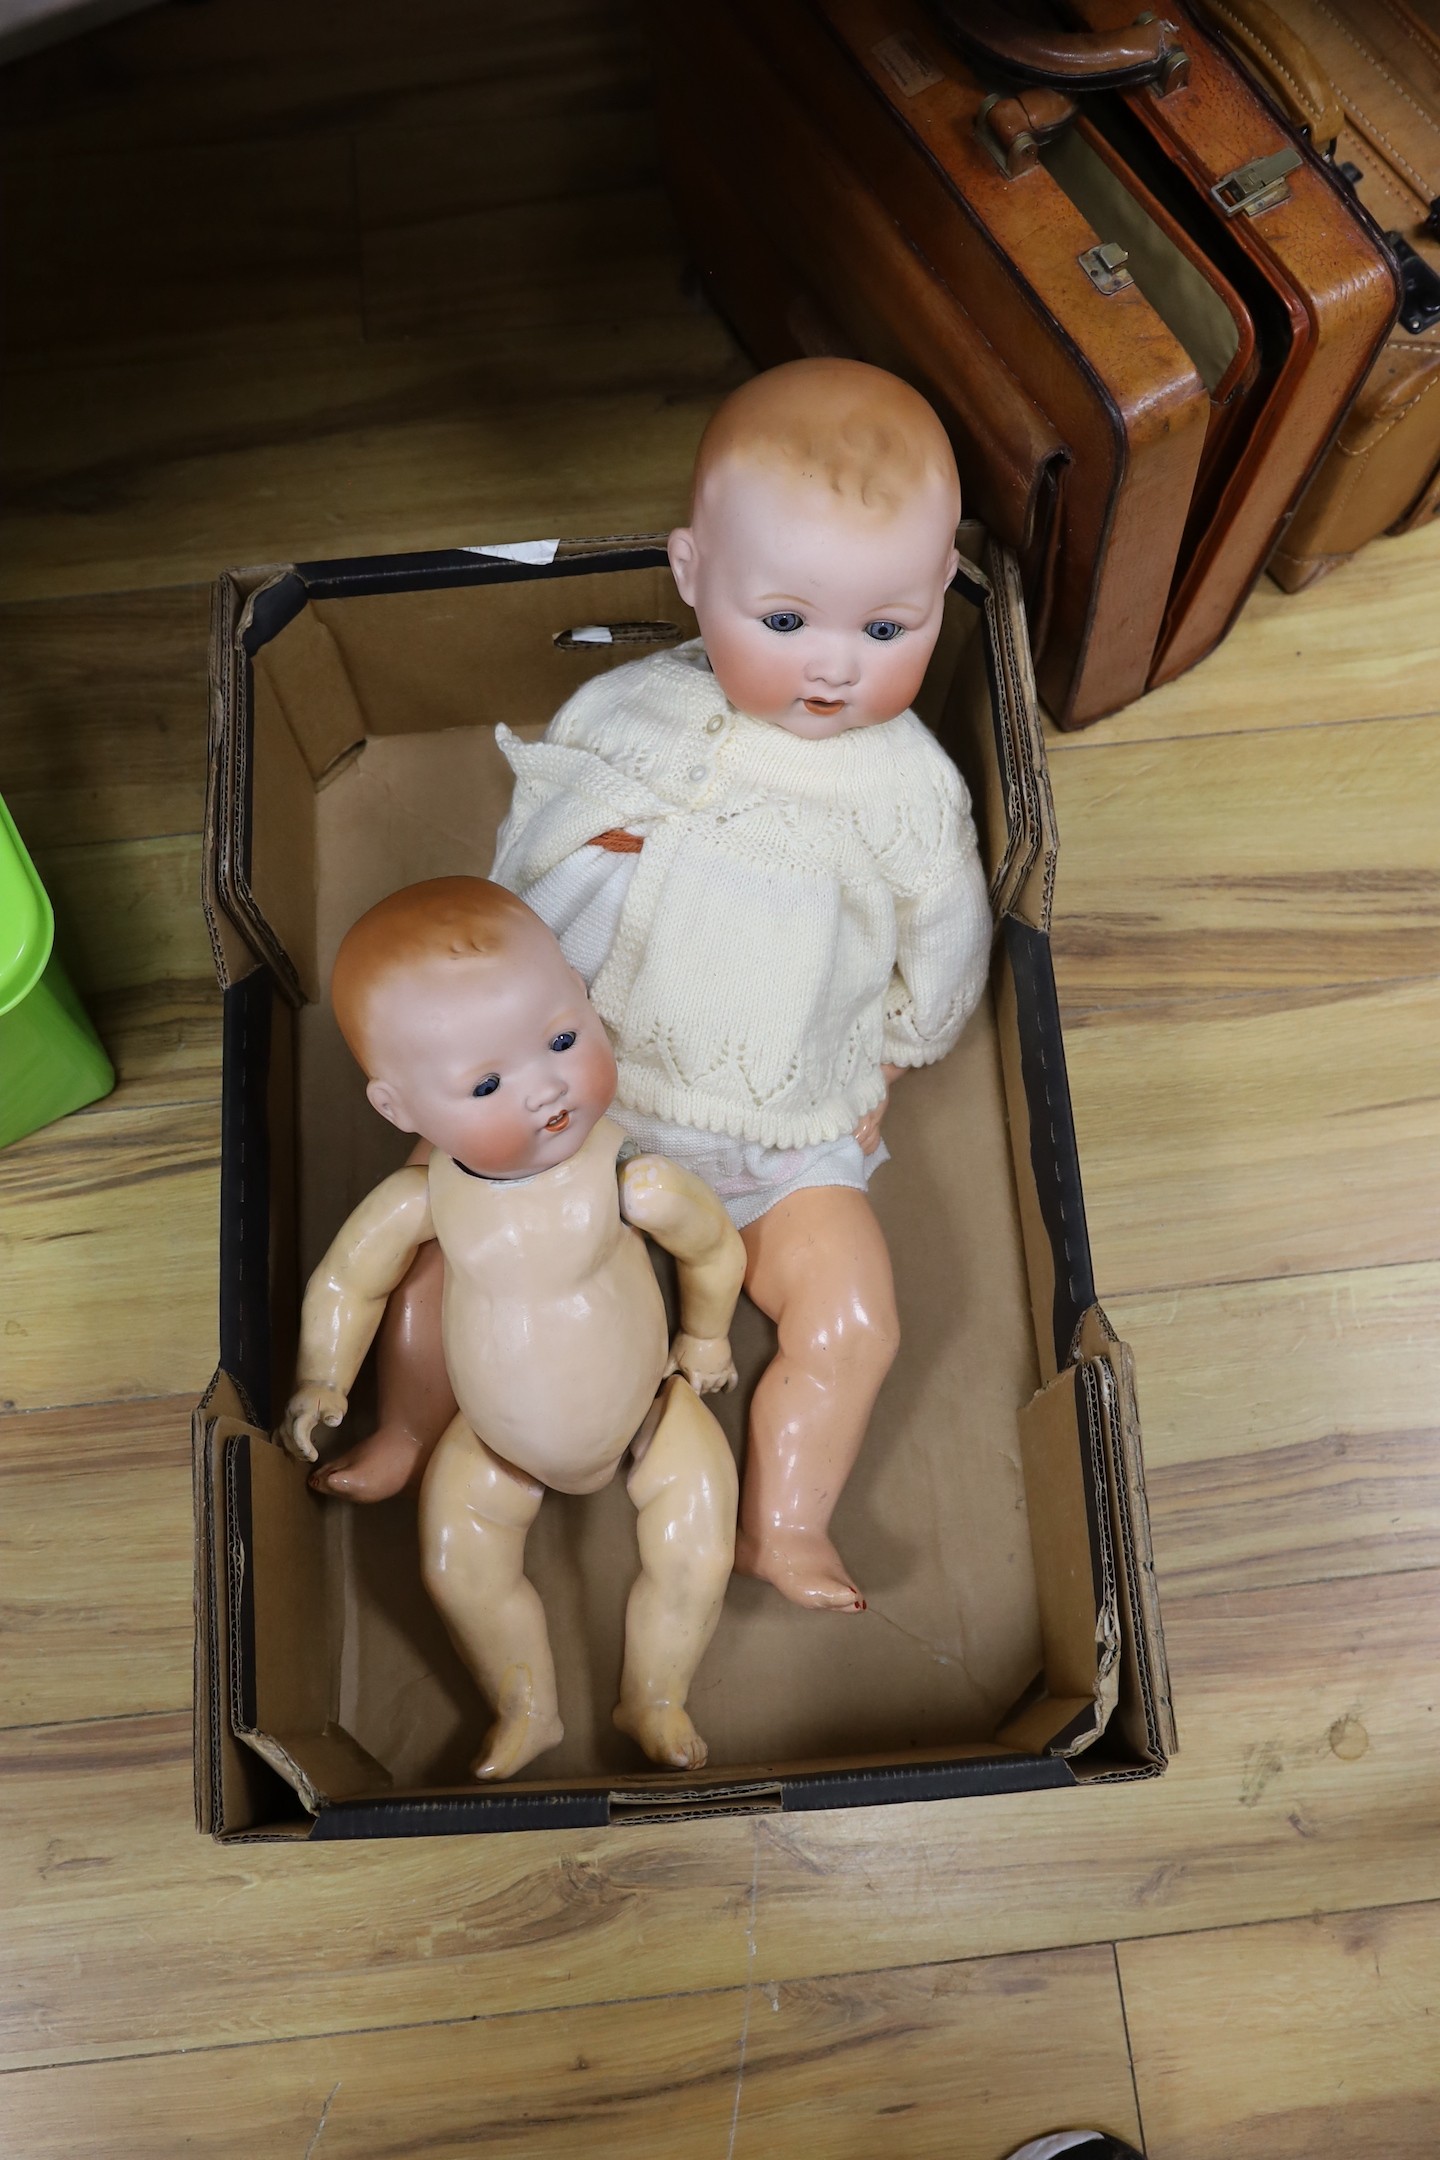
x=1361 y=80
x=1242 y=176
x=1109 y=375
x=1262 y=209
x=800 y=258
x=1009 y=199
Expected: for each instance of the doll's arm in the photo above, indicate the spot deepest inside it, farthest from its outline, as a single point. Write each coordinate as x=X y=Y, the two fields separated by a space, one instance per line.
x=681 y=1213
x=564 y=795
x=345 y=1298
x=942 y=953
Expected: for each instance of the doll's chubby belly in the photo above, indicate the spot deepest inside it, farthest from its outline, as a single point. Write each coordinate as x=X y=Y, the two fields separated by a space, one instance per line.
x=554 y=1328
x=559 y=1383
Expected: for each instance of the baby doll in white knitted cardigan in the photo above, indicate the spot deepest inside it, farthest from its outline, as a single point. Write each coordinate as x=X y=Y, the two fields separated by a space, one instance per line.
x=765 y=867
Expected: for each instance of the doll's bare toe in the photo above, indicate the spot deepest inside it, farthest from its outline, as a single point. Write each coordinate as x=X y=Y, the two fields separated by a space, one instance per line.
x=516 y=1738
x=388 y=1461
x=664 y=1731
x=803 y=1565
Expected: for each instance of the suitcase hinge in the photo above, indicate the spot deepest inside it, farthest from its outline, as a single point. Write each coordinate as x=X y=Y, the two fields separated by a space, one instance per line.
x=1420 y=287
x=1174 y=62
x=1257 y=186
x=1105 y=267
x=1013 y=128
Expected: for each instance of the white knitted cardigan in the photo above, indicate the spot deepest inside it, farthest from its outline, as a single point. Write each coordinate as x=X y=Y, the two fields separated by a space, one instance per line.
x=801 y=912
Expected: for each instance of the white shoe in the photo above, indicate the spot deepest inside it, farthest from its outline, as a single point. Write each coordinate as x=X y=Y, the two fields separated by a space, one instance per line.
x=1085 y=2144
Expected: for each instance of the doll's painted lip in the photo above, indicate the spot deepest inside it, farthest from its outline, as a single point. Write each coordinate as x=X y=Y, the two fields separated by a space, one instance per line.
x=559 y=1122
x=824 y=707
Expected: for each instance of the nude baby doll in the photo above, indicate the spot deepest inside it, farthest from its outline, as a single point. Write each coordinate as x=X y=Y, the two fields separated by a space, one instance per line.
x=766 y=867
x=476 y=1033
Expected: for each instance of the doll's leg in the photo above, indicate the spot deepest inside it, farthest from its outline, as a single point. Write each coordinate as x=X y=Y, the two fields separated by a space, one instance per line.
x=474 y=1513
x=417 y=1401
x=683 y=1483
x=819 y=1267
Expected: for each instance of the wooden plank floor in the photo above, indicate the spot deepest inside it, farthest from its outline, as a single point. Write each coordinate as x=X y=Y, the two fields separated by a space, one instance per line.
x=279 y=287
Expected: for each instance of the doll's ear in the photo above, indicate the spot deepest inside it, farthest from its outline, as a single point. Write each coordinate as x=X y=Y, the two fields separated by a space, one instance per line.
x=383 y=1097
x=951 y=567
x=683 y=556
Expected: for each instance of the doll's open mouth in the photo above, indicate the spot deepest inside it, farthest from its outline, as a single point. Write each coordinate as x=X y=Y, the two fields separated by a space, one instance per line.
x=824 y=707
x=559 y=1122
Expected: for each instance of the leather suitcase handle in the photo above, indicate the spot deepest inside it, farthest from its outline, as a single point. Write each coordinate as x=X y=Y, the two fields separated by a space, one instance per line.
x=1272 y=49
x=1148 y=52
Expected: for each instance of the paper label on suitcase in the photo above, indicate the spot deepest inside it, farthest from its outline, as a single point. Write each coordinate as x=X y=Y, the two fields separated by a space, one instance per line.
x=906 y=62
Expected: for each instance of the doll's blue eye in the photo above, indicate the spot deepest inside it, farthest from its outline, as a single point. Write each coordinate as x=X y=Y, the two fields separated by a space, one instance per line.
x=884 y=633
x=487 y=1086
x=565 y=1041
x=783 y=620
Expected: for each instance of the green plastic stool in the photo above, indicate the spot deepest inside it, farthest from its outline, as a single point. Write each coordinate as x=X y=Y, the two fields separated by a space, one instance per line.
x=51 y=1060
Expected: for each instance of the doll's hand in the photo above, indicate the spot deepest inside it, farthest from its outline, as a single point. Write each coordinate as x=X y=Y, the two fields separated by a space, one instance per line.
x=652 y=1196
x=705 y=1361
x=867 y=1132
x=307 y=1408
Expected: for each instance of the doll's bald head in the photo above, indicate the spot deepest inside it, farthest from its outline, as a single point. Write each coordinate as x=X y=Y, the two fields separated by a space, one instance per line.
x=855 y=431
x=434 y=929
x=472 y=1027
x=820 y=544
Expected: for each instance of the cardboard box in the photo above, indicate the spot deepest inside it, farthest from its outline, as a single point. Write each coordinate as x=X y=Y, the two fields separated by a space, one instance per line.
x=997 y=1516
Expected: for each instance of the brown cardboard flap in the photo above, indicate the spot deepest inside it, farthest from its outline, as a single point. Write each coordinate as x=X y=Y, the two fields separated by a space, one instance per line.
x=1024 y=875
x=237 y=1643
x=1054 y=1725
x=235 y=953
x=281 y=871
x=308 y=677
x=322 y=1767
x=241 y=933
x=292 y=1541
x=1008 y=782
x=233 y=1791
x=281 y=1553
x=209 y=1655
x=1062 y=1450
x=1146 y=1714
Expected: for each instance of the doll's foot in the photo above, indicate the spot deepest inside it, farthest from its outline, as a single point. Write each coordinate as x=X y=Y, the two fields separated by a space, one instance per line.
x=803 y=1565
x=519 y=1734
x=388 y=1461
x=664 y=1731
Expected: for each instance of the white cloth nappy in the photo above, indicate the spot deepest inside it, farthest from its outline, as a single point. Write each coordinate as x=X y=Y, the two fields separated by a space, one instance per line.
x=749 y=1179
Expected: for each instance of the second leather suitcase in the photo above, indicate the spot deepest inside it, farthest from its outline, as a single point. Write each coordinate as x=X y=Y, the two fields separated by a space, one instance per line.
x=1363 y=81
x=1318 y=266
